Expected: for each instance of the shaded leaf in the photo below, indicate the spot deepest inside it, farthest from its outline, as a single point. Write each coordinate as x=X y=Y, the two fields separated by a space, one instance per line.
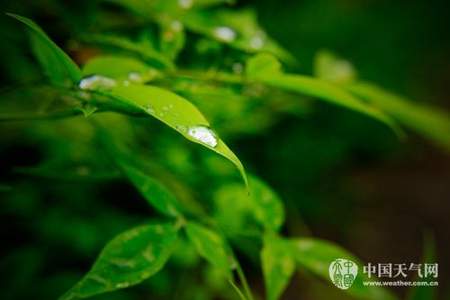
x=142 y=50
x=238 y=29
x=211 y=246
x=278 y=265
x=127 y=260
x=426 y=120
x=266 y=69
x=154 y=192
x=172 y=38
x=57 y=65
x=237 y=209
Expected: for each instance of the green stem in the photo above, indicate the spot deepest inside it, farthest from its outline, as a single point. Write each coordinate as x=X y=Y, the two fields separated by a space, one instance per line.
x=243 y=280
x=236 y=288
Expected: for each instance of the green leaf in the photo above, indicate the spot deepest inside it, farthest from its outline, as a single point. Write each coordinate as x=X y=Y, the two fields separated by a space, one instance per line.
x=329 y=67
x=119 y=67
x=127 y=260
x=278 y=265
x=426 y=120
x=176 y=112
x=266 y=205
x=57 y=65
x=237 y=208
x=154 y=192
x=172 y=38
x=211 y=246
x=316 y=256
x=237 y=29
x=140 y=49
x=266 y=69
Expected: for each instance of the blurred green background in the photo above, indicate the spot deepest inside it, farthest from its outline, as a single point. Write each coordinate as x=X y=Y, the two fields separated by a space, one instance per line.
x=343 y=175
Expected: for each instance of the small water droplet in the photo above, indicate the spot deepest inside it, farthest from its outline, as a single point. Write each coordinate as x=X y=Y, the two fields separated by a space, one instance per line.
x=176 y=26
x=185 y=4
x=96 y=82
x=224 y=33
x=257 y=42
x=181 y=128
x=149 y=109
x=237 y=68
x=122 y=285
x=84 y=95
x=135 y=77
x=204 y=135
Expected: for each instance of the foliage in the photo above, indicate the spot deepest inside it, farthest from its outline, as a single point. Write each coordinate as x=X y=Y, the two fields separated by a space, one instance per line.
x=164 y=76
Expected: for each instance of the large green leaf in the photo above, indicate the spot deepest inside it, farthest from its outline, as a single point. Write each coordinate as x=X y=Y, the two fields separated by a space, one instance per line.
x=211 y=246
x=127 y=260
x=154 y=192
x=426 y=120
x=265 y=68
x=57 y=65
x=176 y=112
x=316 y=256
x=278 y=265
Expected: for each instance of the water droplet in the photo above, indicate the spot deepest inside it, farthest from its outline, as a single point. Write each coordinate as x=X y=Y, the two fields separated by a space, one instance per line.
x=257 y=42
x=185 y=4
x=225 y=34
x=135 y=77
x=181 y=128
x=237 y=68
x=96 y=82
x=84 y=95
x=176 y=26
x=122 y=285
x=204 y=135
x=149 y=109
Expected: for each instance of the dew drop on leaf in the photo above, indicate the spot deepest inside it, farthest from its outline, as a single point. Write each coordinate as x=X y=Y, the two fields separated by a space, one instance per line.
x=96 y=82
x=225 y=34
x=204 y=135
x=135 y=77
x=257 y=42
x=185 y=4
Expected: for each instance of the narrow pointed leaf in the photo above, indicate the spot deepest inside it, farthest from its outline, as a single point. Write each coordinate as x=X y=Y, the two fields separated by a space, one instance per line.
x=426 y=120
x=210 y=245
x=127 y=260
x=154 y=192
x=266 y=69
x=57 y=65
x=176 y=112
x=278 y=265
